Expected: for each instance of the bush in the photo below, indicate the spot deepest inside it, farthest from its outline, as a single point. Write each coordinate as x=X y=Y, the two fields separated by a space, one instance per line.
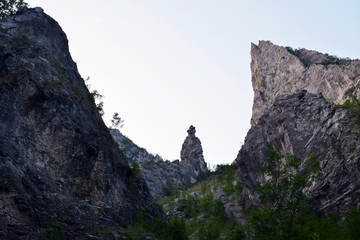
x=352 y=221
x=353 y=106
x=9 y=7
x=285 y=205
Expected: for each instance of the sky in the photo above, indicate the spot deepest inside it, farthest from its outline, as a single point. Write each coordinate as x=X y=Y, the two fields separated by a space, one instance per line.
x=164 y=65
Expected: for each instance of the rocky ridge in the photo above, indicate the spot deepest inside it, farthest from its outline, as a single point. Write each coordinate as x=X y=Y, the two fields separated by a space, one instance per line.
x=294 y=111
x=280 y=70
x=164 y=177
x=58 y=163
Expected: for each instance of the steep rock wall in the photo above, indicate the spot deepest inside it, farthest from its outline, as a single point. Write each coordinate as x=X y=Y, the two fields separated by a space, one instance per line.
x=295 y=110
x=305 y=124
x=58 y=161
x=279 y=70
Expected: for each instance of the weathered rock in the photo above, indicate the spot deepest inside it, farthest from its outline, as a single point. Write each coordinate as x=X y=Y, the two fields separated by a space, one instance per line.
x=164 y=177
x=58 y=162
x=305 y=124
x=278 y=70
x=192 y=154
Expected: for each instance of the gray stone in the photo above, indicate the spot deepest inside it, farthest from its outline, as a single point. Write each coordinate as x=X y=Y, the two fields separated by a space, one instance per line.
x=164 y=177
x=305 y=124
x=58 y=161
x=278 y=70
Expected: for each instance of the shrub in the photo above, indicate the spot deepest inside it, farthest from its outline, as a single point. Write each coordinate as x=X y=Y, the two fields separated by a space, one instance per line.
x=9 y=7
x=353 y=106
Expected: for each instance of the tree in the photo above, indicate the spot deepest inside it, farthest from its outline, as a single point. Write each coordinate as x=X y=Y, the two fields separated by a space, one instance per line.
x=9 y=7
x=284 y=202
x=116 y=121
x=96 y=97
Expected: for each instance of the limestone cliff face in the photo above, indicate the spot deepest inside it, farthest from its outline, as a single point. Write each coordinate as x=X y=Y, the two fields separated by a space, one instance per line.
x=164 y=177
x=294 y=110
x=58 y=161
x=278 y=70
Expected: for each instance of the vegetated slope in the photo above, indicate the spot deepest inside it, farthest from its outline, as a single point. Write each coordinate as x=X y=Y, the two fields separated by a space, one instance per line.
x=61 y=173
x=294 y=111
x=164 y=177
x=210 y=209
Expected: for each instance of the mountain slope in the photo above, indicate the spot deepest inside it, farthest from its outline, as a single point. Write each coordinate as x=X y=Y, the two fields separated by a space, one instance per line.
x=58 y=162
x=162 y=176
x=295 y=111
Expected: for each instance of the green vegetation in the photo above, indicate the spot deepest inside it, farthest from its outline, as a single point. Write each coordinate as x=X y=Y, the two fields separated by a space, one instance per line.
x=202 y=205
x=284 y=211
x=54 y=231
x=9 y=7
x=174 y=229
x=353 y=106
x=282 y=195
x=96 y=98
x=330 y=59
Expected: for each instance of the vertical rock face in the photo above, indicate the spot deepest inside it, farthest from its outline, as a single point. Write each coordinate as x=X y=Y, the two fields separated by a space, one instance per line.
x=306 y=125
x=278 y=70
x=192 y=153
x=162 y=176
x=294 y=111
x=58 y=161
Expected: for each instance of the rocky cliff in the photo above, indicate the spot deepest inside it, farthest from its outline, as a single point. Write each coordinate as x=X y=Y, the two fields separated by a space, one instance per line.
x=59 y=166
x=295 y=111
x=164 y=177
x=280 y=70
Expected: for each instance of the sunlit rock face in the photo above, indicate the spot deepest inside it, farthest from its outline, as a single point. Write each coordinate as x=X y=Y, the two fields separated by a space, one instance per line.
x=165 y=177
x=280 y=70
x=58 y=161
x=295 y=111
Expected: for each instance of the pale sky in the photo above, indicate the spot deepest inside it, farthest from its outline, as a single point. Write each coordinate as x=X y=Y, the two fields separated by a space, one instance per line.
x=164 y=65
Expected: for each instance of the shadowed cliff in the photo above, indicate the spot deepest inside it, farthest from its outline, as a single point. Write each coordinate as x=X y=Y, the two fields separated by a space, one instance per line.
x=58 y=162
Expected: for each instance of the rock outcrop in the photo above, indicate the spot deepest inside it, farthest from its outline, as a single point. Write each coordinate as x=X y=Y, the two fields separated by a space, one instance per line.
x=192 y=154
x=59 y=166
x=282 y=70
x=294 y=111
x=164 y=177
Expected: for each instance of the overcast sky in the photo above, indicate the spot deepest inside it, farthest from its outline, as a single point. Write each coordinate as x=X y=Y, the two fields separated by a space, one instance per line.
x=166 y=64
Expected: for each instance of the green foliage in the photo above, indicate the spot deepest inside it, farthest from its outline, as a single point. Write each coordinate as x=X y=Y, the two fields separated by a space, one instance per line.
x=96 y=98
x=174 y=229
x=283 y=197
x=352 y=221
x=189 y=206
x=170 y=188
x=329 y=59
x=353 y=106
x=209 y=231
x=9 y=7
x=237 y=232
x=285 y=214
x=54 y=231
x=135 y=167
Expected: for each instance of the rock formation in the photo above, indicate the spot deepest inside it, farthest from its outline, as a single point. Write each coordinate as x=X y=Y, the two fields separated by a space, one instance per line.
x=59 y=166
x=192 y=154
x=164 y=177
x=281 y=70
x=294 y=110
